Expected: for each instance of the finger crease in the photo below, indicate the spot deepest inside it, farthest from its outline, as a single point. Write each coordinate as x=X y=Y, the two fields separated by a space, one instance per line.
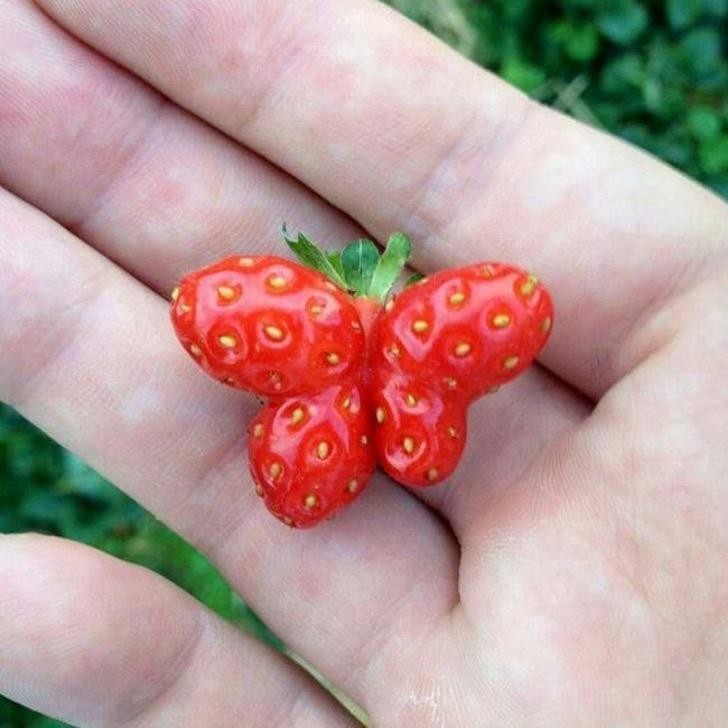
x=171 y=676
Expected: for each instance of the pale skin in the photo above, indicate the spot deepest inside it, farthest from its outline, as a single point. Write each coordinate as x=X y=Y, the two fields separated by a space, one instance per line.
x=573 y=572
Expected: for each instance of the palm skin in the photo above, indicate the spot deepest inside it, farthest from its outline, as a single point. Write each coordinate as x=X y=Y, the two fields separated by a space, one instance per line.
x=572 y=572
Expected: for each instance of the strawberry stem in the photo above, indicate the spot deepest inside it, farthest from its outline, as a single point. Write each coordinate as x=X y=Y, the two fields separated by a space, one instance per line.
x=390 y=265
x=359 y=268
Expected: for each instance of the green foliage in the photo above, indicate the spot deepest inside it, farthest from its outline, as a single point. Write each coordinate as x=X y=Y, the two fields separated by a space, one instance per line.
x=655 y=73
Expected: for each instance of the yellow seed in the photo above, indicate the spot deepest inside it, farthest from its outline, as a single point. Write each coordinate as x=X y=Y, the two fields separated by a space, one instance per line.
x=273 y=332
x=493 y=390
x=275 y=470
x=529 y=285
x=364 y=440
x=353 y=485
x=277 y=283
x=316 y=309
x=452 y=432
x=450 y=383
x=394 y=350
x=195 y=350
x=546 y=325
x=389 y=306
x=332 y=358
x=462 y=349
x=175 y=293
x=457 y=298
x=288 y=521
x=381 y=414
x=246 y=262
x=409 y=445
x=258 y=430
x=501 y=320
x=331 y=286
x=297 y=415
x=346 y=403
x=420 y=326
x=510 y=362
x=185 y=308
x=487 y=271
x=258 y=491
x=410 y=399
x=432 y=474
x=310 y=501
x=322 y=450
x=275 y=377
x=356 y=326
x=226 y=293
x=228 y=341
x=422 y=281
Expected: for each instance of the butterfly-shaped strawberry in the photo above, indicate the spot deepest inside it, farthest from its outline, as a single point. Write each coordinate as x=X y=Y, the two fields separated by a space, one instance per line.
x=349 y=380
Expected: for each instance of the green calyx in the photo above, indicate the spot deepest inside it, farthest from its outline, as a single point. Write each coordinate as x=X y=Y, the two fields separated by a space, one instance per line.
x=359 y=269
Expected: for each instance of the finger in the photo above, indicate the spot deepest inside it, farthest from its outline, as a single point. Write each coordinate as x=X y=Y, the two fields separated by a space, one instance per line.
x=458 y=159
x=95 y=641
x=156 y=189
x=88 y=355
x=183 y=195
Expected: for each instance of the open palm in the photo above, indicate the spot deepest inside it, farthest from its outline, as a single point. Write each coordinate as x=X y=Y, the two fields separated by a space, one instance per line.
x=574 y=570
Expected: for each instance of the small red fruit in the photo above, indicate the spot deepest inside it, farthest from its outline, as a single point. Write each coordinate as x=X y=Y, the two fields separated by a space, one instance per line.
x=443 y=343
x=269 y=325
x=348 y=383
x=312 y=455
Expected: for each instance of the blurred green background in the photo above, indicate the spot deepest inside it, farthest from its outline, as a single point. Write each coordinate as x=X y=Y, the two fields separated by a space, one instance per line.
x=655 y=73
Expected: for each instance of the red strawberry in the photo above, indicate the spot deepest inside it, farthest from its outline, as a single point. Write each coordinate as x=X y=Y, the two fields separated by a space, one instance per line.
x=275 y=328
x=342 y=376
x=268 y=325
x=312 y=455
x=441 y=344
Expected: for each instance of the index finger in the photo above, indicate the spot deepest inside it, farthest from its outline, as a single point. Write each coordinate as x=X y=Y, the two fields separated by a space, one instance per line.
x=400 y=132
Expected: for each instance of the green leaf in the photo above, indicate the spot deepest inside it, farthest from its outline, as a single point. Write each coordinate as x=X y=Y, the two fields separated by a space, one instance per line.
x=359 y=259
x=622 y=21
x=718 y=8
x=623 y=74
x=415 y=278
x=582 y=42
x=702 y=50
x=704 y=122
x=390 y=265
x=683 y=13
x=334 y=257
x=311 y=255
x=713 y=155
x=522 y=74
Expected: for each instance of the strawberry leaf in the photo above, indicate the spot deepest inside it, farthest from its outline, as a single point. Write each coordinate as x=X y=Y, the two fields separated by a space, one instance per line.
x=311 y=255
x=334 y=257
x=390 y=266
x=415 y=278
x=359 y=268
x=359 y=259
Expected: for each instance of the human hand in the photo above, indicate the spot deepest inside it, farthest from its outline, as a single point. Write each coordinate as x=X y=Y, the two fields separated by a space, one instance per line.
x=571 y=572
